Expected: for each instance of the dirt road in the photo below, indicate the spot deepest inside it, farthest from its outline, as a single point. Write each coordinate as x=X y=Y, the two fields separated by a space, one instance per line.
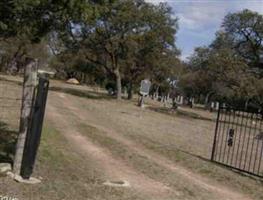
x=150 y=174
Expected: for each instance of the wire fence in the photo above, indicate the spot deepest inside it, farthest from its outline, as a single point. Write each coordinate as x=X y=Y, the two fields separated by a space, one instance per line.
x=10 y=110
x=10 y=102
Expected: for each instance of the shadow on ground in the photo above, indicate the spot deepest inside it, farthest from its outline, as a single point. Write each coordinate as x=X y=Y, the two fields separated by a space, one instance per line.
x=82 y=93
x=179 y=113
x=208 y=161
x=7 y=143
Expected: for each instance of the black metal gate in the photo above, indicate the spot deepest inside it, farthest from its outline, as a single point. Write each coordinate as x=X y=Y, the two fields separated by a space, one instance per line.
x=34 y=132
x=238 y=140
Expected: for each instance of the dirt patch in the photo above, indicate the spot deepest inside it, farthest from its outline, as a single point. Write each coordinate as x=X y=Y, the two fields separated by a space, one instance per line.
x=112 y=167
x=197 y=180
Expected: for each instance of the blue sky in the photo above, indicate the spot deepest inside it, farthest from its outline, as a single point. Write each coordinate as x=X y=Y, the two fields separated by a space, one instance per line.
x=200 y=19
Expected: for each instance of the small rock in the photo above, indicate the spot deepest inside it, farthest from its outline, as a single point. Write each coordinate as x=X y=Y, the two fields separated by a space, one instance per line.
x=5 y=167
x=117 y=183
x=73 y=81
x=19 y=179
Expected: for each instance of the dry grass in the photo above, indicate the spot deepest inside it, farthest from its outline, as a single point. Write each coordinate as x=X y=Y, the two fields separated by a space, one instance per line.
x=10 y=108
x=10 y=101
x=66 y=175
x=184 y=138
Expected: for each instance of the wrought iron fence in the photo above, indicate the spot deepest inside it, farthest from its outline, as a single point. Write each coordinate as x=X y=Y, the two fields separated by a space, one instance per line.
x=238 y=140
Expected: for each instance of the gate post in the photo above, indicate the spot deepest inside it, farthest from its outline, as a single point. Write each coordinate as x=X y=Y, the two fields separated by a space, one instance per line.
x=34 y=134
x=216 y=130
x=30 y=82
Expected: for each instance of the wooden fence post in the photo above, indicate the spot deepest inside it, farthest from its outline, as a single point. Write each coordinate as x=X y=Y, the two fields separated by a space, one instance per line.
x=29 y=85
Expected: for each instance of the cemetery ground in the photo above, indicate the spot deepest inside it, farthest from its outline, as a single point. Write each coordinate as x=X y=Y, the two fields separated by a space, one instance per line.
x=89 y=138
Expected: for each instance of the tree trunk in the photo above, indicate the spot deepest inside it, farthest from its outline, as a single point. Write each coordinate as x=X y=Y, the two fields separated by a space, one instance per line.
x=156 y=93
x=30 y=82
x=141 y=101
x=207 y=100
x=13 y=65
x=130 y=91
x=118 y=83
x=85 y=78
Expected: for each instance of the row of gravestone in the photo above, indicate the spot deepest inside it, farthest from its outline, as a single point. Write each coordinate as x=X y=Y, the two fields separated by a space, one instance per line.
x=145 y=89
x=181 y=100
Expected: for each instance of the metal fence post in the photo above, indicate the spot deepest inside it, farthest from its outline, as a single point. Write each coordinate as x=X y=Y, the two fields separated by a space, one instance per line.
x=34 y=134
x=30 y=82
x=216 y=132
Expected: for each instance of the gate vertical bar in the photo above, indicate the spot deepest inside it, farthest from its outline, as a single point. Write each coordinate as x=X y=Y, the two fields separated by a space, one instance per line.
x=227 y=122
x=260 y=126
x=248 y=140
x=243 y=141
x=261 y=152
x=237 y=114
x=33 y=137
x=239 y=136
x=220 y=118
x=216 y=133
x=253 y=140
x=223 y=129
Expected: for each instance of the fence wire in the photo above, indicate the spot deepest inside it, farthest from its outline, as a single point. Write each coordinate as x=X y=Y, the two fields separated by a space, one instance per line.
x=10 y=103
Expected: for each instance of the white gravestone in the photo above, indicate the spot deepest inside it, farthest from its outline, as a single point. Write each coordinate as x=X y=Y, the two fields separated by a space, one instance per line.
x=145 y=87
x=144 y=91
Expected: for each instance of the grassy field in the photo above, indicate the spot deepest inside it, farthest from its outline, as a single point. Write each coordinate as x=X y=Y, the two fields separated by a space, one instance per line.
x=90 y=138
x=10 y=108
x=64 y=174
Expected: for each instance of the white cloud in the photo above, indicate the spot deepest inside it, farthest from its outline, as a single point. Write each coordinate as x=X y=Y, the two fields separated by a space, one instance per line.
x=200 y=19
x=156 y=1
x=185 y=56
x=200 y=14
x=196 y=18
x=251 y=5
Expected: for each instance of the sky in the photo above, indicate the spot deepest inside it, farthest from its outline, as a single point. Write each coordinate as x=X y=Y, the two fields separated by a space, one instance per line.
x=200 y=19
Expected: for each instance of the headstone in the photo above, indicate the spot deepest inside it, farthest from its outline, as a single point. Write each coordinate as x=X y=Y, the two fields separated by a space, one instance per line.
x=178 y=98
x=125 y=92
x=193 y=100
x=181 y=100
x=145 y=87
x=217 y=105
x=144 y=91
x=212 y=105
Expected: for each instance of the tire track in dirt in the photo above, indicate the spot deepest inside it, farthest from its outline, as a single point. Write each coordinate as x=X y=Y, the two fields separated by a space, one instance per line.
x=222 y=192
x=114 y=169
